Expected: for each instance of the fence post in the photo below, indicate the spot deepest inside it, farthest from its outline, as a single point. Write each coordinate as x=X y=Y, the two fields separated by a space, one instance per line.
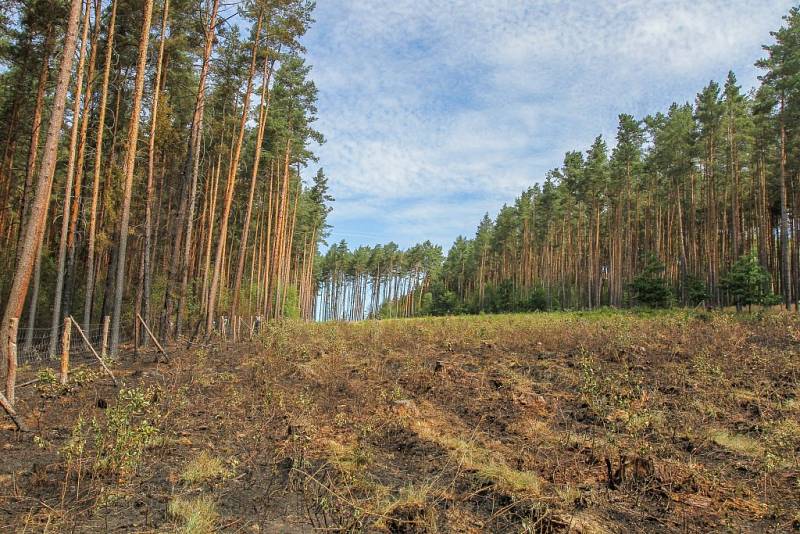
x=104 y=344
x=136 y=332
x=66 y=340
x=11 y=347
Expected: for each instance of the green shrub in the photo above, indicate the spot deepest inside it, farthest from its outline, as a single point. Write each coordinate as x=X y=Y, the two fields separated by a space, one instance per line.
x=650 y=288
x=747 y=282
x=126 y=431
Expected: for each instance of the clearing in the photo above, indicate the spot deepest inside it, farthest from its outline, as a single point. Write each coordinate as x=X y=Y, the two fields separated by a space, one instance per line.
x=583 y=422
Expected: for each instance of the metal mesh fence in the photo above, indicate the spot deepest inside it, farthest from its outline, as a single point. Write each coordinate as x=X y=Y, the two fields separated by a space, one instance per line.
x=35 y=345
x=42 y=346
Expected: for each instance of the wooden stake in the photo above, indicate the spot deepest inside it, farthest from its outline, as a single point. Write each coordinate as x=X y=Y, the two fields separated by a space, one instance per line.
x=11 y=346
x=149 y=333
x=104 y=343
x=12 y=414
x=65 y=346
x=99 y=359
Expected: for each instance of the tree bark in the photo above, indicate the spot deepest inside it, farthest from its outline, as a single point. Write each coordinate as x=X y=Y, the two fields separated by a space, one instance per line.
x=128 y=168
x=36 y=129
x=262 y=119
x=148 y=212
x=98 y=162
x=232 y=172
x=44 y=183
x=193 y=166
x=73 y=142
x=786 y=282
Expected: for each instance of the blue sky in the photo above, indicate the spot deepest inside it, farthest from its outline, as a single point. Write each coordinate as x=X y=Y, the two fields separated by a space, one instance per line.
x=437 y=111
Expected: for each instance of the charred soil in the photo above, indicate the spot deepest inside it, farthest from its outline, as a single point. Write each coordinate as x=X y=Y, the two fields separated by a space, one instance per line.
x=596 y=422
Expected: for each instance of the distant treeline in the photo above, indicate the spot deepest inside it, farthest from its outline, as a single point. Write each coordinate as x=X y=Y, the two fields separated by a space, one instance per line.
x=379 y=281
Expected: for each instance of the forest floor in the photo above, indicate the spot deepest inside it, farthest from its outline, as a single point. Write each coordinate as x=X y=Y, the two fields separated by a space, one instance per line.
x=581 y=422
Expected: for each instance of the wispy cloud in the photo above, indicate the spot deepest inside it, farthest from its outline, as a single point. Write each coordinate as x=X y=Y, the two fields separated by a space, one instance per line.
x=439 y=110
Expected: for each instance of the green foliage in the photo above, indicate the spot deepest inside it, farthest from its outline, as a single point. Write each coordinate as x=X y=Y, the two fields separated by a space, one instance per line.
x=537 y=300
x=771 y=299
x=649 y=287
x=443 y=301
x=747 y=281
x=46 y=376
x=501 y=298
x=122 y=437
x=291 y=309
x=696 y=290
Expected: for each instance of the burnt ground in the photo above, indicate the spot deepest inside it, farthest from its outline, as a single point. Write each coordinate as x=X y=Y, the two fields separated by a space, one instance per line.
x=597 y=422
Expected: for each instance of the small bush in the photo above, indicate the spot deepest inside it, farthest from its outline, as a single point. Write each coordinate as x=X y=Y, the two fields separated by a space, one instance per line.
x=747 y=281
x=121 y=439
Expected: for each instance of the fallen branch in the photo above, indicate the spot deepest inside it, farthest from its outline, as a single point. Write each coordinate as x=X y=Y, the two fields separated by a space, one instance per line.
x=12 y=414
x=149 y=333
x=99 y=359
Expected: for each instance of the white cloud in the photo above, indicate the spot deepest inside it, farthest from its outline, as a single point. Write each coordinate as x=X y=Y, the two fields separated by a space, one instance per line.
x=427 y=102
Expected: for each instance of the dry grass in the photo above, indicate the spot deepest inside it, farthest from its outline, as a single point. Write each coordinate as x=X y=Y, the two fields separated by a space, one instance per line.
x=461 y=424
x=196 y=515
x=203 y=468
x=737 y=443
x=411 y=511
x=519 y=413
x=487 y=464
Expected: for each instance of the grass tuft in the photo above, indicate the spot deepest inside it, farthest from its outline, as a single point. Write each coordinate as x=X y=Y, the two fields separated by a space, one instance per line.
x=737 y=443
x=202 y=468
x=198 y=515
x=487 y=464
x=410 y=511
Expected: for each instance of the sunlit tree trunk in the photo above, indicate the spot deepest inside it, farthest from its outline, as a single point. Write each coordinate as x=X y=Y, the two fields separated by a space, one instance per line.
x=232 y=172
x=128 y=169
x=32 y=236
x=193 y=166
x=147 y=275
x=73 y=140
x=98 y=163
x=262 y=120
x=784 y=225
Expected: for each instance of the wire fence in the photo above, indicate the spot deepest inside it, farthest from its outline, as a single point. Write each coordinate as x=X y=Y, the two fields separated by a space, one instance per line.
x=71 y=345
x=43 y=346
